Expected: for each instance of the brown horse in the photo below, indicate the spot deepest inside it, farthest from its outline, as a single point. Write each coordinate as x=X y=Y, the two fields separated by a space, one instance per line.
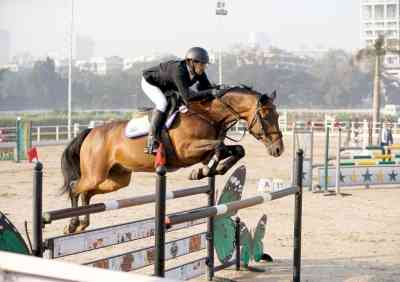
x=102 y=159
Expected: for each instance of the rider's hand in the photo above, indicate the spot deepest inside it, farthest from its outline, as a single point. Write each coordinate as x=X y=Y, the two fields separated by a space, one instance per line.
x=209 y=97
x=183 y=109
x=216 y=93
x=221 y=86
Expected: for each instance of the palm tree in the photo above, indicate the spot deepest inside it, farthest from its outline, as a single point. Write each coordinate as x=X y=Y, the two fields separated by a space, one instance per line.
x=377 y=52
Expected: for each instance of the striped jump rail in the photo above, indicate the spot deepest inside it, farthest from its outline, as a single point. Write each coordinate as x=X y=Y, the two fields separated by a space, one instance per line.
x=228 y=207
x=50 y=216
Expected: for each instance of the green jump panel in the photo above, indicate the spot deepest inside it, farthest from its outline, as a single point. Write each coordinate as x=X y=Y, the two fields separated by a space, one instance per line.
x=362 y=157
x=24 y=139
x=347 y=163
x=387 y=162
x=374 y=148
x=10 y=239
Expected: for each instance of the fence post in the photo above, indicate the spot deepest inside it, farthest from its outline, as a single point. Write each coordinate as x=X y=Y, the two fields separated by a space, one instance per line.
x=76 y=129
x=210 y=230
x=159 y=263
x=326 y=162
x=37 y=197
x=237 y=242
x=297 y=219
x=339 y=147
x=18 y=140
x=38 y=134
x=57 y=133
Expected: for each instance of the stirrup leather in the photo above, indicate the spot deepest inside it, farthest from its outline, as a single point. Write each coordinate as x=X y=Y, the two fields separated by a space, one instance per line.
x=152 y=145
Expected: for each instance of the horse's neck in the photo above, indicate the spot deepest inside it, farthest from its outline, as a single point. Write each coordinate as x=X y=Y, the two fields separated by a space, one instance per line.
x=226 y=110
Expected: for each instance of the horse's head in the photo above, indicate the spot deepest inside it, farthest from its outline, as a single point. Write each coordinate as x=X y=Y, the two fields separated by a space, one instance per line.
x=263 y=123
x=260 y=114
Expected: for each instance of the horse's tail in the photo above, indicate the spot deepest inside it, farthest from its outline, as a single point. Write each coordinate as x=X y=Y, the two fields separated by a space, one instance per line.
x=70 y=161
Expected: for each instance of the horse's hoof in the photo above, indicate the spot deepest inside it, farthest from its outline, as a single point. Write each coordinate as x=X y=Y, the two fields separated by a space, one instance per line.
x=69 y=229
x=194 y=175
x=81 y=228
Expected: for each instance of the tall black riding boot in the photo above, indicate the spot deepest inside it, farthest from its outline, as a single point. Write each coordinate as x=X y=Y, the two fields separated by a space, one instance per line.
x=157 y=122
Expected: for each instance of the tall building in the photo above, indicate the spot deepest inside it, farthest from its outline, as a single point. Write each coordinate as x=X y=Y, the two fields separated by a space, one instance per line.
x=382 y=17
x=5 y=47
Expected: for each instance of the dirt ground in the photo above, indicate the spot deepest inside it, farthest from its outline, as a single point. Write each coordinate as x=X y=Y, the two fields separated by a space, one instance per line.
x=353 y=238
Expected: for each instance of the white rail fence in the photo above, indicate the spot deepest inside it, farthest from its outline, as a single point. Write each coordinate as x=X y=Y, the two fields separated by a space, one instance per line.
x=58 y=134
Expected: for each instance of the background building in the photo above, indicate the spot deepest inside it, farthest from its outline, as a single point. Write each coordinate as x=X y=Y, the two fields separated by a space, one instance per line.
x=382 y=17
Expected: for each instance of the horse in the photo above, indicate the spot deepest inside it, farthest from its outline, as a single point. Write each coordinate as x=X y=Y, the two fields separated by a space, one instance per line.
x=102 y=159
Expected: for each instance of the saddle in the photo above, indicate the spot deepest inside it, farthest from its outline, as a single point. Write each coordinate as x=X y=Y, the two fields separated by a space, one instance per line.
x=139 y=125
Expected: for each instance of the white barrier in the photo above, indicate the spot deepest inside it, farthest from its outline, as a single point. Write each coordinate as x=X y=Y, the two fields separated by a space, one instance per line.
x=22 y=268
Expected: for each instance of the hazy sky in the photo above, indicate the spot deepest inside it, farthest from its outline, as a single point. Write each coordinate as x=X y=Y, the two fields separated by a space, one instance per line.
x=132 y=28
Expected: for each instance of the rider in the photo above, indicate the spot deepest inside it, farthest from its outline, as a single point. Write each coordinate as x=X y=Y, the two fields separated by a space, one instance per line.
x=177 y=76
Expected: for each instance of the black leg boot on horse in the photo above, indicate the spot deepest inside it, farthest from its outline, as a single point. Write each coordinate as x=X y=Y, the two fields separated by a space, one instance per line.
x=154 y=138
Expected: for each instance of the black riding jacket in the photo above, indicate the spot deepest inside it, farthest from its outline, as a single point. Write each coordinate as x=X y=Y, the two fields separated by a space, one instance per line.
x=174 y=75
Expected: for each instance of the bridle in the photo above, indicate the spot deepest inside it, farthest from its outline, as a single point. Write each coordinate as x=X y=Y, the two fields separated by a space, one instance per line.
x=256 y=118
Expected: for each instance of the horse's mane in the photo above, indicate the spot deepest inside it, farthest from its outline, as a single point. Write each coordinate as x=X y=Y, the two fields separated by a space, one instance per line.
x=241 y=88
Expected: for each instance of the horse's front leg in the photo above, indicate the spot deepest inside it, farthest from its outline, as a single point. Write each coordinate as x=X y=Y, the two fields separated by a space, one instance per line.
x=221 y=152
x=233 y=154
x=205 y=151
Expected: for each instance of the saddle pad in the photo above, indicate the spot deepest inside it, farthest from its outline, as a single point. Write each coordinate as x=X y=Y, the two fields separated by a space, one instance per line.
x=140 y=126
x=137 y=127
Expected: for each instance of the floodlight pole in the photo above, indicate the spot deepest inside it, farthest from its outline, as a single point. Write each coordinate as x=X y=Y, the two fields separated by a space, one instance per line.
x=70 y=70
x=220 y=11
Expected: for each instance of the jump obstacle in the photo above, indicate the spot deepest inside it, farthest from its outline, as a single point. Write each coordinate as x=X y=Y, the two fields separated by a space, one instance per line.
x=23 y=142
x=366 y=166
x=66 y=245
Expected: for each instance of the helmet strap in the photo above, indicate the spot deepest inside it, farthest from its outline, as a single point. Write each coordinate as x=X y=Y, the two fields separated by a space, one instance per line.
x=191 y=67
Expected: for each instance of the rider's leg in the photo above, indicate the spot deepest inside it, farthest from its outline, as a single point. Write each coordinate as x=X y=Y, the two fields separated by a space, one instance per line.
x=154 y=138
x=158 y=98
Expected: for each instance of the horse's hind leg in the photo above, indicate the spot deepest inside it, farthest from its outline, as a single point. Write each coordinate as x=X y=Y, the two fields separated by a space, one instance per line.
x=74 y=221
x=84 y=223
x=116 y=180
x=83 y=186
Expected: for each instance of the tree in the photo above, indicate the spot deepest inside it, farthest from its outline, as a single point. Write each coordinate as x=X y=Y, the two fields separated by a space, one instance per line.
x=377 y=51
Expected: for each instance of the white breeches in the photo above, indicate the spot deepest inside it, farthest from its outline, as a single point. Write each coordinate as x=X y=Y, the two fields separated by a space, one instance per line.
x=155 y=95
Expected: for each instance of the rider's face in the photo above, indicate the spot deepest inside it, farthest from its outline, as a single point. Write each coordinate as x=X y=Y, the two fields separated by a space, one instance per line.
x=199 y=68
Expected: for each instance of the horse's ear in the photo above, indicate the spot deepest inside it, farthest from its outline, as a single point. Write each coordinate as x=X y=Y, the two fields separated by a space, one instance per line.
x=273 y=95
x=264 y=99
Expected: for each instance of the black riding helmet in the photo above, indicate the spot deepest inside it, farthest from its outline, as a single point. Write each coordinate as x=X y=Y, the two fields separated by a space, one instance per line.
x=197 y=54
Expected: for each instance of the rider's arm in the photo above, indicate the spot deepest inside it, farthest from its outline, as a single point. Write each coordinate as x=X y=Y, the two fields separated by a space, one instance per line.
x=187 y=94
x=204 y=83
x=183 y=89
